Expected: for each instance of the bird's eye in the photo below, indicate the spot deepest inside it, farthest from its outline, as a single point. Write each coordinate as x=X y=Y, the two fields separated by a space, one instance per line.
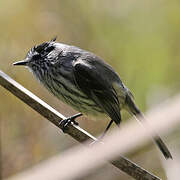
x=36 y=57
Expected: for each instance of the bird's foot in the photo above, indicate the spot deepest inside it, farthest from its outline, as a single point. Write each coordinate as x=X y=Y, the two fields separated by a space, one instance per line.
x=65 y=122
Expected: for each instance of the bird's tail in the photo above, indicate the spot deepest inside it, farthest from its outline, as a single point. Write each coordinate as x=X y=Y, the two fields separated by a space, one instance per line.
x=158 y=141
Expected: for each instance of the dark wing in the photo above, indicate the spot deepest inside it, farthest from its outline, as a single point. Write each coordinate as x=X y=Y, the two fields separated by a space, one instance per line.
x=96 y=86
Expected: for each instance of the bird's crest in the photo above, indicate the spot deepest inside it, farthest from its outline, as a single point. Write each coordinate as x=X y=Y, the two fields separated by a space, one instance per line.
x=54 y=39
x=44 y=48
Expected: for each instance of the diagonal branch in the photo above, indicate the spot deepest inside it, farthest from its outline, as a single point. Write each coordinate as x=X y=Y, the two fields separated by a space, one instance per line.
x=74 y=131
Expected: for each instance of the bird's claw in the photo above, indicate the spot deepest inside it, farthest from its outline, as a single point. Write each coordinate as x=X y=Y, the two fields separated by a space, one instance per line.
x=65 y=122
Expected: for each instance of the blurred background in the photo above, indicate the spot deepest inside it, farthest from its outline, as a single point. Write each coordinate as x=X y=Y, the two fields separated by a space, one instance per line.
x=140 y=39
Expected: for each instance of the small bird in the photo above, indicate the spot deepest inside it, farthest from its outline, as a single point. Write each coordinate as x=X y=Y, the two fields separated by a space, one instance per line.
x=84 y=81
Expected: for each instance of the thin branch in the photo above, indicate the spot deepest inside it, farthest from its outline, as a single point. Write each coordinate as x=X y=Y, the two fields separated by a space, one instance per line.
x=74 y=131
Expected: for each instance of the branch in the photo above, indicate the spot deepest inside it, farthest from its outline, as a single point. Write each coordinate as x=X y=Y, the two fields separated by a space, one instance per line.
x=74 y=131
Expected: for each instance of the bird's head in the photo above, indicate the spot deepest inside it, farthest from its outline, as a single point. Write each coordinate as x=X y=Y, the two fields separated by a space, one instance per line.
x=38 y=56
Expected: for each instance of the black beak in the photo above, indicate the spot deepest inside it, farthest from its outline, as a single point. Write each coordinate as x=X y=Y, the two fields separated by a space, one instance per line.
x=21 y=63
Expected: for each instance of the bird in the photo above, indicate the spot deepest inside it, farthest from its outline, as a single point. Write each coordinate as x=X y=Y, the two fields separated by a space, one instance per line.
x=84 y=81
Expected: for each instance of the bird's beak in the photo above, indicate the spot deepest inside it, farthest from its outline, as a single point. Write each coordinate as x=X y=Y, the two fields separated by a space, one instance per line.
x=21 y=63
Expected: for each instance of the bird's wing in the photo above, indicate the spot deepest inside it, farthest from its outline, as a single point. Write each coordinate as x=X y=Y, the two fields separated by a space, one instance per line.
x=96 y=86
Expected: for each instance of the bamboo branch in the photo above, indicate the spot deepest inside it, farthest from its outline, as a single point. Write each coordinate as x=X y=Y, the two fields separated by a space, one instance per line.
x=74 y=131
